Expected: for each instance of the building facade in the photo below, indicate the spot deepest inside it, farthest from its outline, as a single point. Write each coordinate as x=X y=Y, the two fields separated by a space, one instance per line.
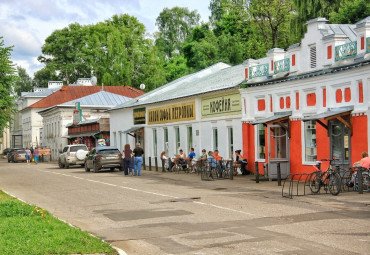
x=66 y=124
x=200 y=111
x=310 y=102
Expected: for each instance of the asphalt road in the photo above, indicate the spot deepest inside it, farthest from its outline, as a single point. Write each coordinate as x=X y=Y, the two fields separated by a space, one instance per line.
x=168 y=213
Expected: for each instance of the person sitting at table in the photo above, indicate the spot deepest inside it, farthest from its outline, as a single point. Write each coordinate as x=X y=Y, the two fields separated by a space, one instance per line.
x=182 y=159
x=192 y=161
x=165 y=160
x=211 y=159
x=218 y=158
x=240 y=159
x=204 y=155
x=363 y=162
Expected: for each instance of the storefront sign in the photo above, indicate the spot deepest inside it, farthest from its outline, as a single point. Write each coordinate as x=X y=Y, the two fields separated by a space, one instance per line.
x=77 y=114
x=172 y=113
x=139 y=116
x=221 y=105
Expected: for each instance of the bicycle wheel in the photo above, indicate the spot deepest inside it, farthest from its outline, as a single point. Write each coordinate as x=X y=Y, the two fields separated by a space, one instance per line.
x=315 y=182
x=366 y=181
x=334 y=184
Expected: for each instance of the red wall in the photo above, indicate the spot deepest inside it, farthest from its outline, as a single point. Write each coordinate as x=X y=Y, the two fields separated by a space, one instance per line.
x=249 y=145
x=359 y=137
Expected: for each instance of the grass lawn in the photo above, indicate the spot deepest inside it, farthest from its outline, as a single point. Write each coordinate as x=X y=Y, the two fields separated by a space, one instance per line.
x=26 y=229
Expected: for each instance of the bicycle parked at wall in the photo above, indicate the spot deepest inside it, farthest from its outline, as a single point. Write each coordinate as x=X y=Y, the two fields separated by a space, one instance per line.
x=365 y=180
x=329 y=179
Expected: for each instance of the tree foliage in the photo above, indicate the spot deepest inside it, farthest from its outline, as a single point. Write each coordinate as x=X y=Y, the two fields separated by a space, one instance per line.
x=43 y=76
x=350 y=12
x=174 y=27
x=7 y=78
x=23 y=82
x=115 y=51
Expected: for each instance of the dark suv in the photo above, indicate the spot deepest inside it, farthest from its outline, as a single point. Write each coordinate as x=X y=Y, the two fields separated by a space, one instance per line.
x=103 y=157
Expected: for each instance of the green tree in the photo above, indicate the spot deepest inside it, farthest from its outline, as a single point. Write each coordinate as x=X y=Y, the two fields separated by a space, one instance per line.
x=23 y=82
x=7 y=78
x=272 y=18
x=175 y=68
x=43 y=76
x=174 y=27
x=350 y=12
x=115 y=51
x=64 y=49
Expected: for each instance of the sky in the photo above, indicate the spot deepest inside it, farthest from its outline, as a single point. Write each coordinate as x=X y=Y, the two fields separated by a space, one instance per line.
x=25 y=24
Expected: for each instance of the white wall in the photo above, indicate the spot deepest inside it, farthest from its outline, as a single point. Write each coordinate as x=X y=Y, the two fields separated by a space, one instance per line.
x=122 y=120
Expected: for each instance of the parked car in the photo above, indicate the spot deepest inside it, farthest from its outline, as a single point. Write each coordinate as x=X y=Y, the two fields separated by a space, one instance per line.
x=10 y=154
x=72 y=155
x=103 y=157
x=19 y=155
x=5 y=151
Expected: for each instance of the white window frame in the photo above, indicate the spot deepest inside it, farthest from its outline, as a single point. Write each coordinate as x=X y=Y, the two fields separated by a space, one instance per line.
x=256 y=132
x=304 y=161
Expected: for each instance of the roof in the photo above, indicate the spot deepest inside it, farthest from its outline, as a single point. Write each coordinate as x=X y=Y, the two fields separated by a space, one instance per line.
x=43 y=93
x=329 y=113
x=277 y=116
x=291 y=77
x=69 y=93
x=101 y=99
x=214 y=78
x=346 y=30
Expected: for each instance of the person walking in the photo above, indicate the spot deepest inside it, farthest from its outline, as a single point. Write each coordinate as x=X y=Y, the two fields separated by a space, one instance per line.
x=28 y=155
x=36 y=155
x=138 y=159
x=127 y=153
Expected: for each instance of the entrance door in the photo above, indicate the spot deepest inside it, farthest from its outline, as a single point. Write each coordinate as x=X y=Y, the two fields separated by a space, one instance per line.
x=278 y=149
x=340 y=142
x=139 y=137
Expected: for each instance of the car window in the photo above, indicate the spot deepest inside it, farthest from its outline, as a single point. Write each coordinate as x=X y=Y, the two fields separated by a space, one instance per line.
x=109 y=151
x=76 y=148
x=65 y=149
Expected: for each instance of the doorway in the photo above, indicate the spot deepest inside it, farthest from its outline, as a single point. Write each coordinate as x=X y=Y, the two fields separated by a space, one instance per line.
x=340 y=142
x=278 y=151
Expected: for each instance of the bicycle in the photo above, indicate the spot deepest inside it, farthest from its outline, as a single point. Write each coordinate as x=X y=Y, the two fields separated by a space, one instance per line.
x=207 y=173
x=365 y=180
x=330 y=179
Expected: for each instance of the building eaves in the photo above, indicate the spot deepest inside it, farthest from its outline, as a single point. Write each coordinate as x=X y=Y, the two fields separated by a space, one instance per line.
x=222 y=77
x=305 y=76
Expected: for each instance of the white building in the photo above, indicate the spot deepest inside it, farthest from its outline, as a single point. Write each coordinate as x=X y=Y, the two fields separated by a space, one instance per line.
x=57 y=118
x=310 y=102
x=200 y=110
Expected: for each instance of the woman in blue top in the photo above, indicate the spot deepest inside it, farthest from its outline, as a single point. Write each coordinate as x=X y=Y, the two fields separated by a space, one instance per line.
x=211 y=159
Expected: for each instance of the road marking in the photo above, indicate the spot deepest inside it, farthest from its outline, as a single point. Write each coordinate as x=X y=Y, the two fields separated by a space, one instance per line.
x=151 y=193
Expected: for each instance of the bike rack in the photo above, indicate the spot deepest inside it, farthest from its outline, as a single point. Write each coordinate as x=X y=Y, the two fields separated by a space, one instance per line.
x=300 y=179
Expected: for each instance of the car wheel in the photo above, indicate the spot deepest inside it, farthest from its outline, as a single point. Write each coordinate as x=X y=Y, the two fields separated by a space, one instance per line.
x=8 y=160
x=60 y=164
x=96 y=168
x=112 y=169
x=121 y=168
x=66 y=165
x=86 y=168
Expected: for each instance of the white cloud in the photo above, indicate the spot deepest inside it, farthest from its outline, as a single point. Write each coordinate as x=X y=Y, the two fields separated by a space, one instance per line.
x=26 y=24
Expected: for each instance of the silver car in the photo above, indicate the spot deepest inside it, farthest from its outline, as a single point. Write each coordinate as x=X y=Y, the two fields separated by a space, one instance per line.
x=73 y=155
x=103 y=157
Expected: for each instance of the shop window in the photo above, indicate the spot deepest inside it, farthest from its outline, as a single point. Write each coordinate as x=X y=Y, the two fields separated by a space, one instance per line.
x=231 y=141
x=155 y=142
x=165 y=130
x=313 y=56
x=261 y=143
x=177 y=139
x=215 y=139
x=115 y=138
x=310 y=141
x=190 y=138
